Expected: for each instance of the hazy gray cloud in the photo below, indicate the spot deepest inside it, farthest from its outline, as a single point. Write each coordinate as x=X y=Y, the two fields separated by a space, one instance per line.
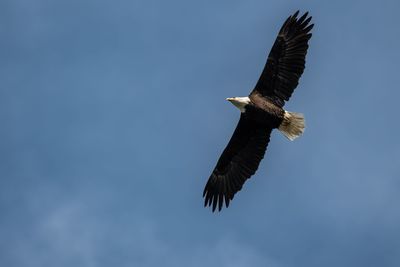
x=73 y=235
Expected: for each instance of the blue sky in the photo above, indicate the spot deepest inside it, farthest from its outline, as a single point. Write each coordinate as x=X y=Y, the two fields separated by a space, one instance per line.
x=113 y=115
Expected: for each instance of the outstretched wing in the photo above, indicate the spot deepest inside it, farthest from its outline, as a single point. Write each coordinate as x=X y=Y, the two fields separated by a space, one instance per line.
x=286 y=60
x=237 y=163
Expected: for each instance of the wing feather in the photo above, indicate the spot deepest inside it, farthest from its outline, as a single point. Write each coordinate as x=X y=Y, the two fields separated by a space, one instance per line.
x=286 y=61
x=238 y=162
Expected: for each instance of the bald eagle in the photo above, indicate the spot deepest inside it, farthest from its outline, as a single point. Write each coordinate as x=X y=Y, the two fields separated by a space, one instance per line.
x=261 y=112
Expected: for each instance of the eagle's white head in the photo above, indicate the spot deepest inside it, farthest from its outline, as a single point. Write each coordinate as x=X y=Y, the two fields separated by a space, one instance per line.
x=239 y=102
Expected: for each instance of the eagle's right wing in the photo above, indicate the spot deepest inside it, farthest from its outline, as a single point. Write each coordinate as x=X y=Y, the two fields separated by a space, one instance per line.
x=237 y=163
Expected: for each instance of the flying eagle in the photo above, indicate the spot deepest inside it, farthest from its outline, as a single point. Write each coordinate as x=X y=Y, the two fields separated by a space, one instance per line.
x=261 y=112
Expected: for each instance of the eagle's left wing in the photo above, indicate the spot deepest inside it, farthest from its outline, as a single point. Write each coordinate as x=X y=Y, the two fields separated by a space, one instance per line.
x=286 y=60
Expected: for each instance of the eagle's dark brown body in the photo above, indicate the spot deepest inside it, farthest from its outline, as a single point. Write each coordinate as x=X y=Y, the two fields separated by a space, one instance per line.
x=264 y=111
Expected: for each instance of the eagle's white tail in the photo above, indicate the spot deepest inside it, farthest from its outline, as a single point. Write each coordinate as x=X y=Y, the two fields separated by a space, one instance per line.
x=293 y=125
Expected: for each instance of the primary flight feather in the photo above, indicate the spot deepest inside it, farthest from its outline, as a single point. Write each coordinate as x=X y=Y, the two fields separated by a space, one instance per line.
x=261 y=112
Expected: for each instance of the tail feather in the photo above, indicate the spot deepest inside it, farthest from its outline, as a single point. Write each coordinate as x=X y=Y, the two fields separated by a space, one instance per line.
x=293 y=125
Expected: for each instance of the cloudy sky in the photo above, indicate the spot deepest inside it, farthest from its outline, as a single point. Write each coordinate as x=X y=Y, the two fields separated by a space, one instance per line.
x=113 y=115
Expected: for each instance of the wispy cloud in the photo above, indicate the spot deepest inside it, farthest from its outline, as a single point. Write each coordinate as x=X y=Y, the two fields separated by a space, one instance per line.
x=72 y=235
